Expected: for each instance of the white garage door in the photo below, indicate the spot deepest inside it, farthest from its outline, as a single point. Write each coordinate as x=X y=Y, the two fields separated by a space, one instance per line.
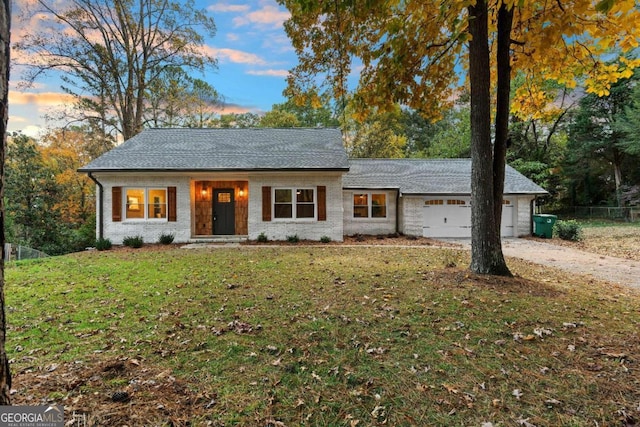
x=447 y=217
x=451 y=217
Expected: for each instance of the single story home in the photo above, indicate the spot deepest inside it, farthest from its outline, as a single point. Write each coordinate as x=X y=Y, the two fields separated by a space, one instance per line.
x=206 y=184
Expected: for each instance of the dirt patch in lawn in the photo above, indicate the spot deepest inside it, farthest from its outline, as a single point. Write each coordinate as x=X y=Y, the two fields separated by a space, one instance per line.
x=112 y=393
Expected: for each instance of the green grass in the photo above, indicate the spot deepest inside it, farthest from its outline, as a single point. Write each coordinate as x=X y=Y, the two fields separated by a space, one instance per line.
x=336 y=336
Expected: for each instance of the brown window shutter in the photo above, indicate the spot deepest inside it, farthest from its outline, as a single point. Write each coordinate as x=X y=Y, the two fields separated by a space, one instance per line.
x=266 y=203
x=116 y=204
x=322 y=203
x=172 y=208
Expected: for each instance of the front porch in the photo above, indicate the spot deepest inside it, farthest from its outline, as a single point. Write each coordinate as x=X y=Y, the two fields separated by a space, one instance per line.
x=221 y=210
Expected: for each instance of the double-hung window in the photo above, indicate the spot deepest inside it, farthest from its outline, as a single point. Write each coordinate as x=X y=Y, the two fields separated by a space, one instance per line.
x=294 y=203
x=145 y=203
x=370 y=205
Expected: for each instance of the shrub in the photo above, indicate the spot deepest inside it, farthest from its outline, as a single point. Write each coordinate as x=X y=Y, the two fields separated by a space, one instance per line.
x=166 y=238
x=262 y=238
x=103 y=244
x=133 y=241
x=568 y=230
x=325 y=239
x=293 y=239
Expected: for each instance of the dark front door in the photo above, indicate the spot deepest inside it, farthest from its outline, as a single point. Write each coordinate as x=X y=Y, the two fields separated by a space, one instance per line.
x=224 y=212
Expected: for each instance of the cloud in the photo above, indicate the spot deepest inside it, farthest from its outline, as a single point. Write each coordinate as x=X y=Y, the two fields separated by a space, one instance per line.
x=235 y=56
x=236 y=109
x=17 y=119
x=43 y=99
x=24 y=125
x=222 y=8
x=233 y=37
x=279 y=43
x=15 y=85
x=271 y=73
x=268 y=16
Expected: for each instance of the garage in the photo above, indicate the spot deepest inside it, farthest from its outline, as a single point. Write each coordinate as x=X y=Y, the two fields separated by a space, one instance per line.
x=451 y=217
x=433 y=197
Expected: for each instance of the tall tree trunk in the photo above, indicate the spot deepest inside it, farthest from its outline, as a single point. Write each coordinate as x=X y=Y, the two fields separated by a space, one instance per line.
x=503 y=60
x=617 y=175
x=486 y=248
x=5 y=33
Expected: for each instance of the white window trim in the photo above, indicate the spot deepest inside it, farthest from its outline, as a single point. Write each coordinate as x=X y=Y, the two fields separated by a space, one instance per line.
x=293 y=204
x=145 y=205
x=369 y=216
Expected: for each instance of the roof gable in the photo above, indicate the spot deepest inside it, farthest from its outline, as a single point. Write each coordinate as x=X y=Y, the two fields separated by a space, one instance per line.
x=226 y=150
x=427 y=176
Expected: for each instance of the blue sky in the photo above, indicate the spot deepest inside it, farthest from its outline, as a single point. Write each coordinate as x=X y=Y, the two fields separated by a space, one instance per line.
x=253 y=51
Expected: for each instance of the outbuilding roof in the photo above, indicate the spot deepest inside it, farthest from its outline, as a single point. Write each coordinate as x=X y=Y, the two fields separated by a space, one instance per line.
x=426 y=176
x=226 y=150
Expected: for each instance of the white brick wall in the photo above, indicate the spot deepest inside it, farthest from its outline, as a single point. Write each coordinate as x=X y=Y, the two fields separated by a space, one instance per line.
x=339 y=204
x=411 y=215
x=370 y=226
x=279 y=229
x=149 y=230
x=523 y=205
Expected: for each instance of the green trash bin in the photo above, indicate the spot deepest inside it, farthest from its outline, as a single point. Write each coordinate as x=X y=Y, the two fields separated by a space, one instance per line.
x=543 y=225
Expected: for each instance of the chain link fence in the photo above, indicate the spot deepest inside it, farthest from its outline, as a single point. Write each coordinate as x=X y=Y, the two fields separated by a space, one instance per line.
x=18 y=252
x=607 y=212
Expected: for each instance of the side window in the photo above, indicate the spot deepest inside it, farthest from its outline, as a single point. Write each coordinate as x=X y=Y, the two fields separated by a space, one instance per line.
x=360 y=205
x=157 y=207
x=370 y=205
x=145 y=203
x=283 y=203
x=134 y=203
x=305 y=203
x=378 y=206
x=294 y=203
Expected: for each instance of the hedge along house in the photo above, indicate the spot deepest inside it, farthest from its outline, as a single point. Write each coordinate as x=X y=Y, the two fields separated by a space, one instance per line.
x=208 y=184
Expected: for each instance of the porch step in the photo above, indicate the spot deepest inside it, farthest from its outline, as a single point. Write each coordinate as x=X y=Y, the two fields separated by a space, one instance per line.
x=219 y=239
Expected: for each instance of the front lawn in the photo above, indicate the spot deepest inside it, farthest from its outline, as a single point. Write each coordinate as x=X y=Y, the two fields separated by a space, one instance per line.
x=319 y=336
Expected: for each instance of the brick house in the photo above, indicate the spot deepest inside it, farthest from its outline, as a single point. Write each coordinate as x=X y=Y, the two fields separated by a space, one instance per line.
x=206 y=184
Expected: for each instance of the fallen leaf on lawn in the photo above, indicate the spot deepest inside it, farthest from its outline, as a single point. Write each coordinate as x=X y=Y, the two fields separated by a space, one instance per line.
x=541 y=332
x=378 y=411
x=450 y=388
x=517 y=393
x=614 y=355
x=553 y=402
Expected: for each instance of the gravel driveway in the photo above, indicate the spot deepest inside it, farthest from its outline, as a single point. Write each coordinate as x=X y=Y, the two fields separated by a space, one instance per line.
x=616 y=270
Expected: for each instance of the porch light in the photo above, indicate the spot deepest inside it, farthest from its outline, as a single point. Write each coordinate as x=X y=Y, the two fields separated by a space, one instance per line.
x=241 y=192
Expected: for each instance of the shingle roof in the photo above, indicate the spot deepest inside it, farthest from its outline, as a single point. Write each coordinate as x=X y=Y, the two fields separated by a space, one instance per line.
x=426 y=176
x=226 y=150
